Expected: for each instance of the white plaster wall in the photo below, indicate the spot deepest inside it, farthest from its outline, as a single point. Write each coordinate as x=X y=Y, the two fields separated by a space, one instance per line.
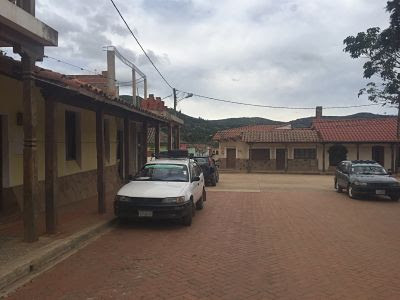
x=242 y=149
x=365 y=153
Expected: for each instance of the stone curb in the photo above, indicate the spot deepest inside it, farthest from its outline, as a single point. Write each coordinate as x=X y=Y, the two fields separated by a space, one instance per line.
x=40 y=258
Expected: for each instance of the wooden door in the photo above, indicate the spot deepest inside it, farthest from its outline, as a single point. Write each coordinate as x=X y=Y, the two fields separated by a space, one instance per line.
x=231 y=158
x=280 y=159
x=378 y=155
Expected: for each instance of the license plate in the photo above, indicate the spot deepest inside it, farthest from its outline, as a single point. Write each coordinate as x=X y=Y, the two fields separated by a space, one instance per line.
x=380 y=192
x=145 y=213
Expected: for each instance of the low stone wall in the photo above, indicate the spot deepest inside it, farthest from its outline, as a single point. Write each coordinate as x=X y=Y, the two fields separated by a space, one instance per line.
x=303 y=165
x=294 y=165
x=262 y=165
x=241 y=164
x=69 y=188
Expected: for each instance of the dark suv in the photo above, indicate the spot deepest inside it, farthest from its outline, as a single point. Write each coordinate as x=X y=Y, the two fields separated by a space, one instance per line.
x=210 y=170
x=365 y=177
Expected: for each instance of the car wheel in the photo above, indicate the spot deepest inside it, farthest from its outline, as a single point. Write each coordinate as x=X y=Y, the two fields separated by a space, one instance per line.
x=350 y=192
x=200 y=204
x=395 y=197
x=187 y=220
x=337 y=187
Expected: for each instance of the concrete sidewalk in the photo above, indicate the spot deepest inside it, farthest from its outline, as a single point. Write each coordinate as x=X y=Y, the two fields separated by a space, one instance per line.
x=78 y=222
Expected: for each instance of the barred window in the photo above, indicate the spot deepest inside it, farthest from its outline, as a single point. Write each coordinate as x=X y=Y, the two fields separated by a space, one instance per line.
x=305 y=153
x=259 y=154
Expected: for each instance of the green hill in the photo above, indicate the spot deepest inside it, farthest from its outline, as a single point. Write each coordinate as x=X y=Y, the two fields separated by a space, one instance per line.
x=199 y=131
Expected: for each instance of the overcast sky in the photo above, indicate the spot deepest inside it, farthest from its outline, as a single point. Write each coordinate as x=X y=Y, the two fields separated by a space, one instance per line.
x=283 y=53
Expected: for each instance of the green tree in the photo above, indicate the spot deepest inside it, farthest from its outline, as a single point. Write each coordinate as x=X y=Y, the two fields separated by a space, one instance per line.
x=381 y=49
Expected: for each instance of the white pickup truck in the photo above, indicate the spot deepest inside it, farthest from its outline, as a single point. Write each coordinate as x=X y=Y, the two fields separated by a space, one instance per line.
x=163 y=189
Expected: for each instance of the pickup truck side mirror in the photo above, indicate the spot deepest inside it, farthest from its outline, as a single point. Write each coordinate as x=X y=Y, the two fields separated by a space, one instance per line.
x=196 y=178
x=390 y=172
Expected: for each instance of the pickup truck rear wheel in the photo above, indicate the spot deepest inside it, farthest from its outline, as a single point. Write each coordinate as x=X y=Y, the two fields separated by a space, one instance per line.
x=395 y=197
x=214 y=180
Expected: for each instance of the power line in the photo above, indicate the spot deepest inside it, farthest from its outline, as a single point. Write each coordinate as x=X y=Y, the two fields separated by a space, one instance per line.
x=276 y=107
x=137 y=41
x=91 y=71
x=72 y=65
x=166 y=97
x=127 y=83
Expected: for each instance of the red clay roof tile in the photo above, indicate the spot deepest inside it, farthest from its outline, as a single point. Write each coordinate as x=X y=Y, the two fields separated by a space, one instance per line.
x=235 y=133
x=281 y=136
x=358 y=130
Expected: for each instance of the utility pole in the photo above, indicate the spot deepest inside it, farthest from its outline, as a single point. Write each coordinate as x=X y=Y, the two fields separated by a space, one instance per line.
x=175 y=101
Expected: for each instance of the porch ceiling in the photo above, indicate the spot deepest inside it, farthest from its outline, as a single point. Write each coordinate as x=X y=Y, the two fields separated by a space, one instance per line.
x=18 y=27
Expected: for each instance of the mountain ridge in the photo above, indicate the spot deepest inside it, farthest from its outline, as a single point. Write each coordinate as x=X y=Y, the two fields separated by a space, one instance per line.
x=198 y=130
x=201 y=131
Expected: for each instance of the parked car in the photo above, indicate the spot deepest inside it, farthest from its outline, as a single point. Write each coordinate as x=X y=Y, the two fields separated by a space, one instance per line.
x=365 y=177
x=210 y=169
x=163 y=189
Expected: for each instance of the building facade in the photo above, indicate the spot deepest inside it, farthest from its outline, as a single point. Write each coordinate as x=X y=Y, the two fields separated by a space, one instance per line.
x=87 y=142
x=318 y=149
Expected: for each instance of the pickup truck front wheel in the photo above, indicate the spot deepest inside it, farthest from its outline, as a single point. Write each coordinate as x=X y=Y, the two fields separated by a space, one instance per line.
x=337 y=187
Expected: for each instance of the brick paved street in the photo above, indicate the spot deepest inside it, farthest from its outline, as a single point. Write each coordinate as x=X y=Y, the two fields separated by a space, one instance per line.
x=274 y=237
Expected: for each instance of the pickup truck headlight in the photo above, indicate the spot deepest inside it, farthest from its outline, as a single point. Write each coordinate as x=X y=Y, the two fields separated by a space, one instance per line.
x=360 y=183
x=122 y=198
x=396 y=183
x=180 y=199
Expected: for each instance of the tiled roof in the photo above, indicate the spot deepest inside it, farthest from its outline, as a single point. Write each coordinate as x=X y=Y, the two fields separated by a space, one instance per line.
x=358 y=130
x=235 y=133
x=281 y=136
x=12 y=67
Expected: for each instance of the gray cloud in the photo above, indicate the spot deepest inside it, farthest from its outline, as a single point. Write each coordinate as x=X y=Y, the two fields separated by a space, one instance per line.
x=271 y=52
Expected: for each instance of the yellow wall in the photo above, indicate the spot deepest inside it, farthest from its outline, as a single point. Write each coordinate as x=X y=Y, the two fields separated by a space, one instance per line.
x=11 y=104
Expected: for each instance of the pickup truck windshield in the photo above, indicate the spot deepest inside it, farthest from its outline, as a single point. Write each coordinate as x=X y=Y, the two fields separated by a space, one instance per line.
x=201 y=160
x=368 y=170
x=163 y=172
